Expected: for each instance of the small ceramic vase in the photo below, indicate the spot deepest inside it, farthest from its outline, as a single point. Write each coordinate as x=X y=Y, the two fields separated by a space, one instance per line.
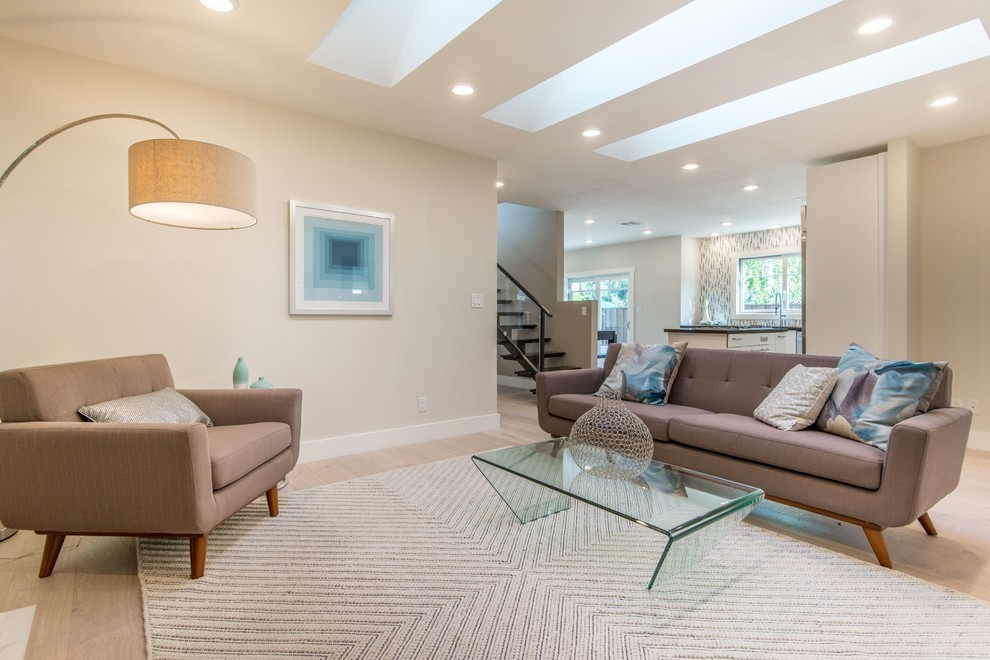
x=240 y=374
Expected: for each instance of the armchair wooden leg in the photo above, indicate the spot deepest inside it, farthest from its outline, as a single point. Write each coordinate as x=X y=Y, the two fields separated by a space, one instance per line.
x=272 y=496
x=197 y=556
x=53 y=546
x=929 y=526
x=879 y=545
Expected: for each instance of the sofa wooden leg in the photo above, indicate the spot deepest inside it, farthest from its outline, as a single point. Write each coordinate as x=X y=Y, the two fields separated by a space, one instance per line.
x=272 y=496
x=879 y=545
x=929 y=526
x=53 y=546
x=197 y=556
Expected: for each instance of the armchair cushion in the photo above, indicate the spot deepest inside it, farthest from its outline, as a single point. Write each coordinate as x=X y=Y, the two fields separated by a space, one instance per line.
x=165 y=406
x=237 y=450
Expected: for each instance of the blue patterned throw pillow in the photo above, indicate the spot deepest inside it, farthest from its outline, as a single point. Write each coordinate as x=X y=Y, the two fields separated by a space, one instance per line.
x=871 y=395
x=644 y=372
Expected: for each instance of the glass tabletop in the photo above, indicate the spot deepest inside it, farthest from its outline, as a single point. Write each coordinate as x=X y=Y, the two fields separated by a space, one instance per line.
x=542 y=478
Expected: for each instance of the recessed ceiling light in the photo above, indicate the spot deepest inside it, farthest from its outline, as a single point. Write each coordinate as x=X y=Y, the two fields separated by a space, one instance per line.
x=751 y=187
x=499 y=184
x=589 y=221
x=727 y=223
x=690 y=166
x=875 y=25
x=647 y=231
x=219 y=5
x=936 y=52
x=713 y=234
x=591 y=132
x=588 y=242
x=462 y=90
x=774 y=226
x=945 y=100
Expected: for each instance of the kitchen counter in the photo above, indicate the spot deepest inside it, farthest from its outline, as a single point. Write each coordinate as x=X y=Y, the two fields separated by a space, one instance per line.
x=725 y=329
x=738 y=338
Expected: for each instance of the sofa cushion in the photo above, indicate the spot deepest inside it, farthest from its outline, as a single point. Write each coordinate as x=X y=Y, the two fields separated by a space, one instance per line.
x=165 y=406
x=871 y=395
x=644 y=372
x=808 y=452
x=237 y=449
x=656 y=418
x=726 y=381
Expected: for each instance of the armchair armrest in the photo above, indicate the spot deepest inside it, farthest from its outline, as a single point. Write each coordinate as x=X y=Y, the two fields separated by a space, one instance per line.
x=230 y=407
x=106 y=478
x=570 y=381
x=924 y=461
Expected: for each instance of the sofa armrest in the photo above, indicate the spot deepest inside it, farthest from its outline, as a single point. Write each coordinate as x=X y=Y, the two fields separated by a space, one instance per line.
x=924 y=461
x=106 y=478
x=231 y=407
x=569 y=381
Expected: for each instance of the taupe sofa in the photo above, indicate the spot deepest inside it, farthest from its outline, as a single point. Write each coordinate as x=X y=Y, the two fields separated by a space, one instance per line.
x=62 y=475
x=708 y=426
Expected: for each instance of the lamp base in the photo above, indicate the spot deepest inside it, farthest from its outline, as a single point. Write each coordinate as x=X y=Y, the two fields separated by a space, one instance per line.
x=6 y=533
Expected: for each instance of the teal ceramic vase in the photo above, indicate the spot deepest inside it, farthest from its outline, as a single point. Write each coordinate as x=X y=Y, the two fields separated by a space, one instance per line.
x=240 y=374
x=261 y=384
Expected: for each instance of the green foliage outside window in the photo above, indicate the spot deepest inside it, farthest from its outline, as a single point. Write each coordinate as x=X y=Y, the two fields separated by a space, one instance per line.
x=761 y=279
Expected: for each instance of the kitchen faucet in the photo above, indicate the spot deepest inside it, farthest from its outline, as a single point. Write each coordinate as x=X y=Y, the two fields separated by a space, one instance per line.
x=778 y=308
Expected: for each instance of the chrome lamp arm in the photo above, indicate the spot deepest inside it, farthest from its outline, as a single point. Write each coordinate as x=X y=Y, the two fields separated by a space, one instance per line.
x=40 y=141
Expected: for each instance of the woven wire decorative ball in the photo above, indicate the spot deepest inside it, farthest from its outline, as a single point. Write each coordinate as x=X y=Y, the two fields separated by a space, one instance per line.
x=610 y=441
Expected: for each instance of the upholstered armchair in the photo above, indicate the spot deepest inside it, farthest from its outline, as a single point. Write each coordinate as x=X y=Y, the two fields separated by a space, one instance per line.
x=63 y=475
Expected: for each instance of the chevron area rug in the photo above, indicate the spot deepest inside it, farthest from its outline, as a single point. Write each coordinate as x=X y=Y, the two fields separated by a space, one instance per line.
x=427 y=562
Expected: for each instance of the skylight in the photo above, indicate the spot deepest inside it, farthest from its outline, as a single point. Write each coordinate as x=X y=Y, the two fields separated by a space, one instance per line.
x=696 y=32
x=957 y=45
x=383 y=41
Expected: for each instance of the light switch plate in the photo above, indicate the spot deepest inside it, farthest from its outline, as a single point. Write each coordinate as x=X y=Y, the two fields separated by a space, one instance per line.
x=477 y=300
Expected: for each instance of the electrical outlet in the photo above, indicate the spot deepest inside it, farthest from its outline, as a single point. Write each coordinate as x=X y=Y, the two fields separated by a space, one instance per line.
x=974 y=405
x=956 y=403
x=422 y=404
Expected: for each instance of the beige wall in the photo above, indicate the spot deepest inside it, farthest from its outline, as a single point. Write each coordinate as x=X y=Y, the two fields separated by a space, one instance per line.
x=527 y=248
x=657 y=280
x=903 y=263
x=83 y=279
x=845 y=256
x=955 y=271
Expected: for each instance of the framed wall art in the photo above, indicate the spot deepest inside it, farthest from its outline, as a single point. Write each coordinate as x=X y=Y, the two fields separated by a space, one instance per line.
x=340 y=260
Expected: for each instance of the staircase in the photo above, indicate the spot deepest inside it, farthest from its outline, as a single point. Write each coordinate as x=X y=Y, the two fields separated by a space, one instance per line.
x=521 y=330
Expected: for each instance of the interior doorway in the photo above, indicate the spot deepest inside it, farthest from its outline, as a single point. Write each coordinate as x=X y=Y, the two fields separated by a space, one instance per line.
x=614 y=292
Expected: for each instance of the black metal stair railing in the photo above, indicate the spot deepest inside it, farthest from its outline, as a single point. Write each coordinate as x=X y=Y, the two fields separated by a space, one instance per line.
x=505 y=337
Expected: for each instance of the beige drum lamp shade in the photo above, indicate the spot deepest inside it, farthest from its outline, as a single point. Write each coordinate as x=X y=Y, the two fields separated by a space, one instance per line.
x=184 y=183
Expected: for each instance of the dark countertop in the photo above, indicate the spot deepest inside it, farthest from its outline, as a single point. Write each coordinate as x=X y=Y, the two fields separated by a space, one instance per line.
x=727 y=329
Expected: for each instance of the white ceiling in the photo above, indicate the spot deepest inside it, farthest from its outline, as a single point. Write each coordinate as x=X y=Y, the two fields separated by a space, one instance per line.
x=261 y=50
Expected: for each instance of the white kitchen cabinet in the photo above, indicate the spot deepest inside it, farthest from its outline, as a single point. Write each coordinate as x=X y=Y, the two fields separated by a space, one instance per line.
x=769 y=341
x=765 y=342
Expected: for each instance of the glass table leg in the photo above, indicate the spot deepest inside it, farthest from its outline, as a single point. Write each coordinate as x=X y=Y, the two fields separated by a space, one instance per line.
x=528 y=500
x=686 y=550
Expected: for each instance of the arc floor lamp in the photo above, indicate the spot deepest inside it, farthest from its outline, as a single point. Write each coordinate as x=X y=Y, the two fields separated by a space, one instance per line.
x=176 y=182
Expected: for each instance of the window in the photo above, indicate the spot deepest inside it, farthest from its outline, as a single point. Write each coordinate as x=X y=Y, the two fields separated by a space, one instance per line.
x=613 y=291
x=762 y=281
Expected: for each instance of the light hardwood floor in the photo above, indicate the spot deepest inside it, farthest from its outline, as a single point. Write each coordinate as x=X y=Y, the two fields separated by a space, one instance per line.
x=91 y=605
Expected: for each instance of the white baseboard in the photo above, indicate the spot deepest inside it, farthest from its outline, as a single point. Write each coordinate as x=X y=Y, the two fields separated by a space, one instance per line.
x=979 y=440
x=317 y=450
x=516 y=381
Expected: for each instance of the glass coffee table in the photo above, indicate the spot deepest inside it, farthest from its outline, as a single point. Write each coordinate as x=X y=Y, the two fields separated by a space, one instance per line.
x=690 y=511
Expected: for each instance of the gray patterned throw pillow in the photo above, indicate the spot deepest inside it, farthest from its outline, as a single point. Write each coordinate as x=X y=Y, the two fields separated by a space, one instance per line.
x=798 y=398
x=159 y=407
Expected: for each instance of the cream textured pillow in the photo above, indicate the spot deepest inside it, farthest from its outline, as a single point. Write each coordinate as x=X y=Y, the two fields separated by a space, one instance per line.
x=798 y=398
x=159 y=407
